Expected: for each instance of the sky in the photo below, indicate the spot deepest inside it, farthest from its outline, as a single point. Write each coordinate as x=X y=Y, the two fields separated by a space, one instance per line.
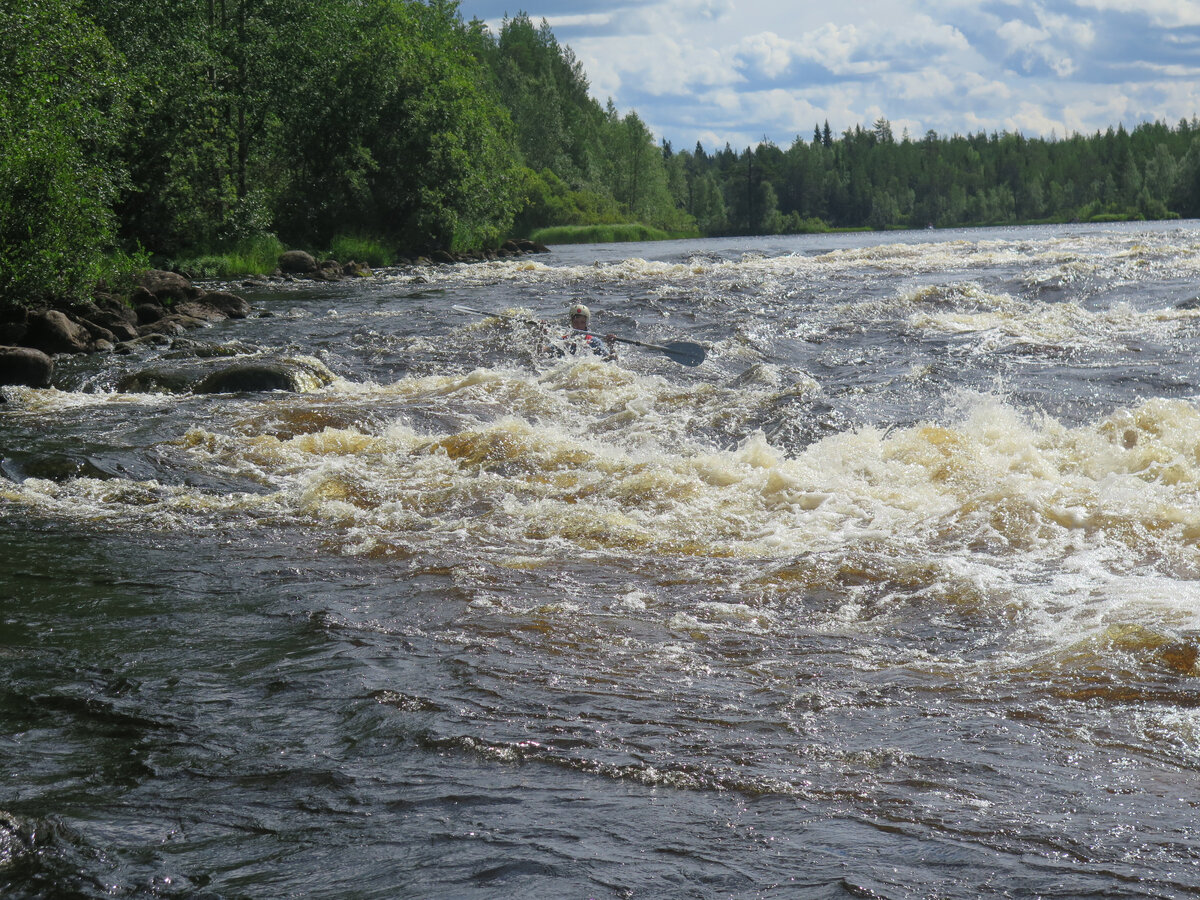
x=718 y=71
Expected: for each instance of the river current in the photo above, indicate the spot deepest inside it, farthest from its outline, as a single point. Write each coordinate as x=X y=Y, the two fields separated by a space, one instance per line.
x=897 y=595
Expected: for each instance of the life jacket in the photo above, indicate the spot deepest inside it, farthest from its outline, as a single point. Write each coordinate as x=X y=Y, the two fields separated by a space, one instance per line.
x=589 y=340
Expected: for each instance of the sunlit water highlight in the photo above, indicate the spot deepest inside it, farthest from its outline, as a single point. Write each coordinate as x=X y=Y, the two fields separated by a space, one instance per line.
x=896 y=595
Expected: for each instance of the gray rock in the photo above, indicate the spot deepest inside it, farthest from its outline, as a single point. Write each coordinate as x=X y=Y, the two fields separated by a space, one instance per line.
x=96 y=332
x=231 y=305
x=295 y=375
x=52 y=331
x=200 y=309
x=113 y=306
x=121 y=329
x=230 y=376
x=297 y=262
x=148 y=312
x=167 y=285
x=159 y=380
x=169 y=325
x=25 y=365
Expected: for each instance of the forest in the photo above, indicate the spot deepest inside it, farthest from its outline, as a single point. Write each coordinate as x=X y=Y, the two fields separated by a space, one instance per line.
x=179 y=131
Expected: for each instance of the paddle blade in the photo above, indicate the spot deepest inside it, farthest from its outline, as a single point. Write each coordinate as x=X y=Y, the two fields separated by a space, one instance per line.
x=684 y=352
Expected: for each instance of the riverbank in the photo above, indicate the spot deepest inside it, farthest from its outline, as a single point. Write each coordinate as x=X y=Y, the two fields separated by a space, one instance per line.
x=164 y=304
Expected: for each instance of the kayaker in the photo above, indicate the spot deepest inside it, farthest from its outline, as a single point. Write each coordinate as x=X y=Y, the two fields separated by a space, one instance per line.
x=580 y=316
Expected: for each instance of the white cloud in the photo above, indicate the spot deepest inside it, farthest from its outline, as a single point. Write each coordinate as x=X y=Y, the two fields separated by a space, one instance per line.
x=786 y=110
x=653 y=65
x=927 y=84
x=587 y=20
x=727 y=100
x=833 y=46
x=1019 y=35
x=1082 y=34
x=988 y=90
x=705 y=9
x=937 y=36
x=1162 y=13
x=1031 y=119
x=700 y=69
x=768 y=52
x=1042 y=45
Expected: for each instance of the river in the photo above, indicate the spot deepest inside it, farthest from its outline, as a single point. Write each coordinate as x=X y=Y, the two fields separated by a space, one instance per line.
x=895 y=596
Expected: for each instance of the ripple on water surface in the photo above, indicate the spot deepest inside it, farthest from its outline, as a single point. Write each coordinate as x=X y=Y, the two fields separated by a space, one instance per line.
x=901 y=582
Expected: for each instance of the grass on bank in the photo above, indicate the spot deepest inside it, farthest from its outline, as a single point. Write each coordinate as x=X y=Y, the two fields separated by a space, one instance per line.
x=251 y=256
x=602 y=234
x=260 y=256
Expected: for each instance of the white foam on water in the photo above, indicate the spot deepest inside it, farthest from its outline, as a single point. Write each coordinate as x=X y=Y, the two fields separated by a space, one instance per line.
x=1070 y=531
x=599 y=456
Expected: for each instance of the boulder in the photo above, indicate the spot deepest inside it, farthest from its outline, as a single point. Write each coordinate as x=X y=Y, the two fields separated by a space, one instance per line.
x=149 y=312
x=158 y=380
x=297 y=262
x=140 y=295
x=96 y=332
x=199 y=309
x=13 y=333
x=248 y=376
x=114 y=308
x=230 y=376
x=121 y=329
x=53 y=332
x=169 y=325
x=295 y=375
x=25 y=365
x=232 y=305
x=60 y=467
x=167 y=285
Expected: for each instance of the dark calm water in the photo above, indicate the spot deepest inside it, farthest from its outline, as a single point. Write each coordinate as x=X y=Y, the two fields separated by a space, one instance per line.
x=895 y=596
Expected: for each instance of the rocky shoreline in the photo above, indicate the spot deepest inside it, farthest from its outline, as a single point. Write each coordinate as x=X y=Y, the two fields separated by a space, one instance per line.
x=164 y=305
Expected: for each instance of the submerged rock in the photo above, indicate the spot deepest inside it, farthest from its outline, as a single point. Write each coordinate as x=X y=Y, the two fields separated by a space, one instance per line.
x=230 y=376
x=295 y=375
x=159 y=380
x=58 y=467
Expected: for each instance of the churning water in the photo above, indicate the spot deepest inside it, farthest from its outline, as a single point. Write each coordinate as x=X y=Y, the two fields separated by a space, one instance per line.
x=896 y=595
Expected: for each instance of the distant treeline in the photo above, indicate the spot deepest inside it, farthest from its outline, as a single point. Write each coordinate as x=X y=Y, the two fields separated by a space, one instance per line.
x=169 y=129
x=869 y=178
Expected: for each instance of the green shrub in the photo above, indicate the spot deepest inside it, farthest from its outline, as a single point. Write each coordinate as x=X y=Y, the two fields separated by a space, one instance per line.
x=346 y=247
x=250 y=256
x=600 y=234
x=62 y=108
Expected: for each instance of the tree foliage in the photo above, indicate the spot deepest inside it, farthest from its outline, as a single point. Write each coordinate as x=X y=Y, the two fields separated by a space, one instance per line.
x=198 y=125
x=604 y=164
x=869 y=178
x=62 y=106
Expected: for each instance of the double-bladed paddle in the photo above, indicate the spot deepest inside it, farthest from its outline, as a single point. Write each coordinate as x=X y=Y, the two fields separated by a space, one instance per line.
x=683 y=352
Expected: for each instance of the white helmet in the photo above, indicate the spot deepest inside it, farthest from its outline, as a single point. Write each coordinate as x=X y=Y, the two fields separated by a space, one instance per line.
x=580 y=310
